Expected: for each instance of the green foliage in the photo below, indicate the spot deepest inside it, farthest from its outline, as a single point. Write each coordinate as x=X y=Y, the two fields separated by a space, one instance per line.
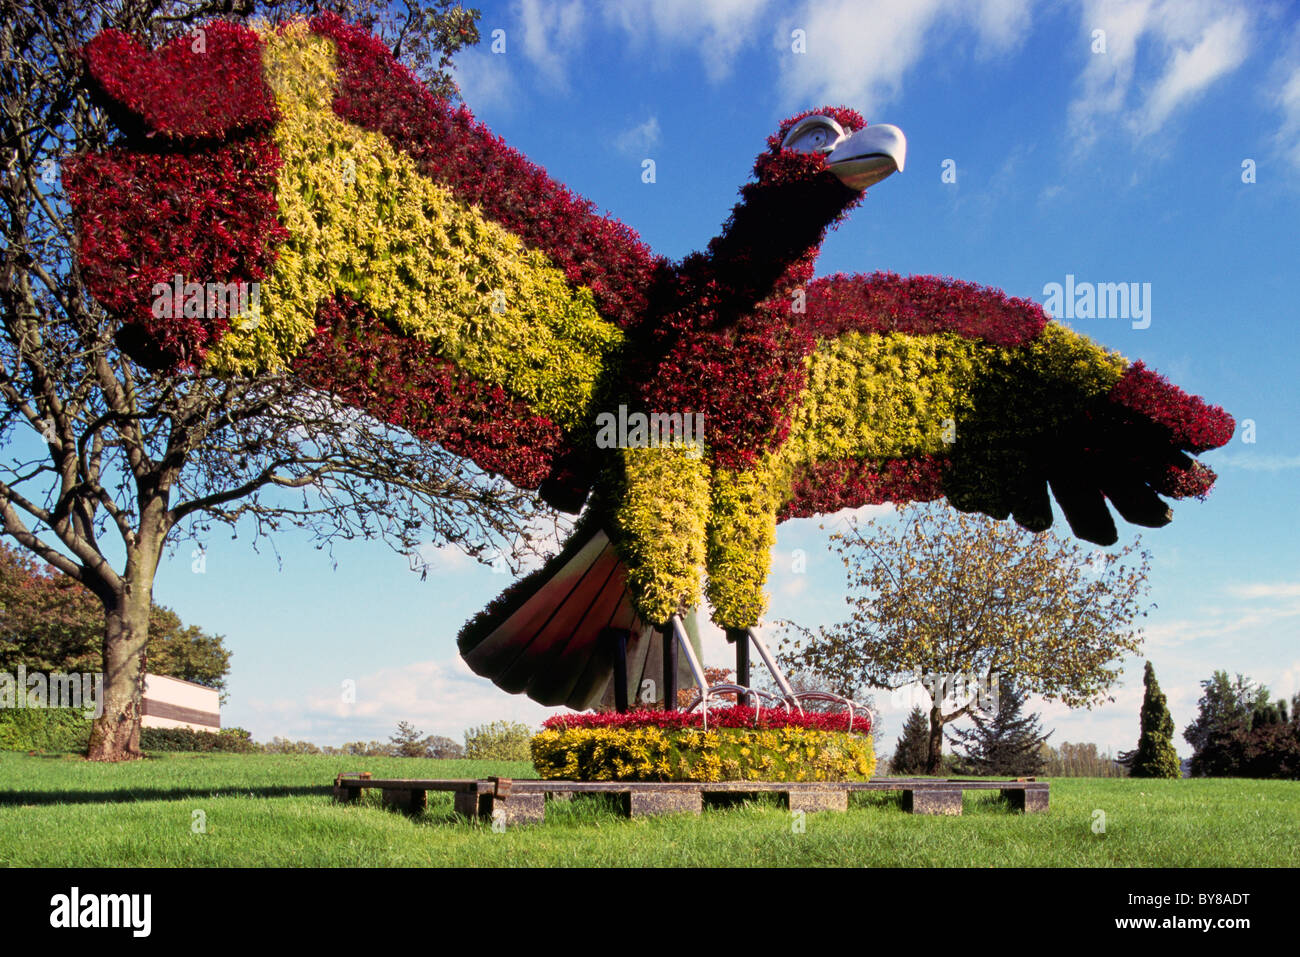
x=1224 y=715
x=279 y=745
x=424 y=35
x=233 y=740
x=185 y=651
x=51 y=623
x=912 y=752
x=1155 y=756
x=499 y=741
x=406 y=742
x=43 y=729
x=1082 y=760
x=1006 y=744
x=1240 y=732
x=935 y=591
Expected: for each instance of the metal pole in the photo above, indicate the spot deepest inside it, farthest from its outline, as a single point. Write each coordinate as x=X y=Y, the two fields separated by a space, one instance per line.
x=771 y=664
x=696 y=669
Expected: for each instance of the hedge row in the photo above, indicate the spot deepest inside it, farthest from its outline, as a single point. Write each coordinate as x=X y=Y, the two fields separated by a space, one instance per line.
x=68 y=729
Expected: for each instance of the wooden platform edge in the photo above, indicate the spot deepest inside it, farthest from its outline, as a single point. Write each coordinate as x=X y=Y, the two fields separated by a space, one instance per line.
x=511 y=801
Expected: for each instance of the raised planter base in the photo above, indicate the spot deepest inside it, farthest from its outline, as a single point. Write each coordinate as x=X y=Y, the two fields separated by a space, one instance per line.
x=505 y=803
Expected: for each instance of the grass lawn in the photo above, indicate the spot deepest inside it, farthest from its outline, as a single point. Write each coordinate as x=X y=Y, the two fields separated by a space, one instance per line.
x=265 y=810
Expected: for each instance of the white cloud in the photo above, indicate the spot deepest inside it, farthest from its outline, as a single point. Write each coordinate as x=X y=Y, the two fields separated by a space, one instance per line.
x=639 y=139
x=717 y=29
x=858 y=53
x=484 y=79
x=438 y=697
x=1262 y=590
x=1259 y=609
x=1179 y=48
x=551 y=36
x=1287 y=100
x=1258 y=463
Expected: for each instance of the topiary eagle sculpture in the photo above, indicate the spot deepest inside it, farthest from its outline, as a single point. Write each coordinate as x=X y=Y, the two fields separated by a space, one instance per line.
x=409 y=262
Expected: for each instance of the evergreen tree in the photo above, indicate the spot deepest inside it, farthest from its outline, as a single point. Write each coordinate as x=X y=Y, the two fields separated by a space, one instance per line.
x=406 y=742
x=1006 y=743
x=1224 y=718
x=912 y=753
x=1155 y=756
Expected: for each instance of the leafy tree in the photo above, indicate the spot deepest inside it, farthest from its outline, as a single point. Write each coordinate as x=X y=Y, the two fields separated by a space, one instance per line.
x=1240 y=732
x=443 y=748
x=49 y=622
x=1155 y=756
x=942 y=593
x=499 y=741
x=1271 y=749
x=912 y=752
x=1224 y=717
x=1007 y=743
x=363 y=749
x=1082 y=760
x=280 y=745
x=103 y=455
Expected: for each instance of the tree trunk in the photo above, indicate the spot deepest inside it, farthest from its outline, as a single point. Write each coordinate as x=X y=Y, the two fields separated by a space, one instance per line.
x=115 y=734
x=934 y=763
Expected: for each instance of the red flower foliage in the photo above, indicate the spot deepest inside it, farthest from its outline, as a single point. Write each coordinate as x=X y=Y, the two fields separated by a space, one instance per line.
x=850 y=483
x=450 y=147
x=145 y=217
x=725 y=340
x=189 y=87
x=732 y=717
x=1194 y=482
x=921 y=305
x=1195 y=425
x=393 y=377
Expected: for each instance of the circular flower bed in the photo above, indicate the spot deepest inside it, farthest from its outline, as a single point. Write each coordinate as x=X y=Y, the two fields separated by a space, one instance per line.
x=740 y=744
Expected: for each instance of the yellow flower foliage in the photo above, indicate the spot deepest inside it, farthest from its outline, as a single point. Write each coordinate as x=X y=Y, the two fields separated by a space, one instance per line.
x=891 y=396
x=742 y=531
x=662 y=517
x=364 y=222
x=691 y=754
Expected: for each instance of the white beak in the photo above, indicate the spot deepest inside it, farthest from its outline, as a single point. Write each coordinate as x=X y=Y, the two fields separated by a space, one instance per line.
x=868 y=156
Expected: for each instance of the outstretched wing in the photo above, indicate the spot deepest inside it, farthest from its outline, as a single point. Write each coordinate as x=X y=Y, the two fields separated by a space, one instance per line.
x=399 y=254
x=922 y=388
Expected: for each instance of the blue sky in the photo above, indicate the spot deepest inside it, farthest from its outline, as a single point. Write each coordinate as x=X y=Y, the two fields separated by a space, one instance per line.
x=1122 y=165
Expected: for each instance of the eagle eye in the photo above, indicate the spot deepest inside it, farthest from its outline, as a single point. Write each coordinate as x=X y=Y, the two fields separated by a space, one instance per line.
x=813 y=134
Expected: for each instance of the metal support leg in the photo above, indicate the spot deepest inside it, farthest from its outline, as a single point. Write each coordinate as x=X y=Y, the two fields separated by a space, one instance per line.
x=669 y=641
x=740 y=637
x=771 y=664
x=618 y=637
x=697 y=670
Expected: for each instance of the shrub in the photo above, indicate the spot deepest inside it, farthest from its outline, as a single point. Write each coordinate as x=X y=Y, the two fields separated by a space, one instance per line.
x=43 y=729
x=285 y=746
x=499 y=741
x=232 y=740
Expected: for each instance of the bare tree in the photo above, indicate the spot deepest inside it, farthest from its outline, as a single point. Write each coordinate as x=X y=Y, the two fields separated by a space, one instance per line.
x=106 y=463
